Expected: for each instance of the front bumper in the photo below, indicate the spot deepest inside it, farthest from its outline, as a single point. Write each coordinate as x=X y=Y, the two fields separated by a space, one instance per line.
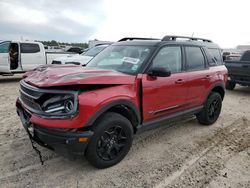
x=66 y=142
x=243 y=80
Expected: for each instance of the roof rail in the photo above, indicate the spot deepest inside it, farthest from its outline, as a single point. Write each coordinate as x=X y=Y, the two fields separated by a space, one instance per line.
x=136 y=38
x=172 y=37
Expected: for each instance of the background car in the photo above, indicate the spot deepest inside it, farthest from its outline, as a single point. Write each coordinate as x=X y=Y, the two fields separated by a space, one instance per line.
x=81 y=59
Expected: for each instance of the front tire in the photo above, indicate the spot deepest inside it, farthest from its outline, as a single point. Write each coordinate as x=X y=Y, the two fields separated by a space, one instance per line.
x=211 y=109
x=112 y=139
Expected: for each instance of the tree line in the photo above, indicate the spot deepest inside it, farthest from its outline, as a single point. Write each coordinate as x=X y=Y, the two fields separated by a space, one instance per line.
x=56 y=43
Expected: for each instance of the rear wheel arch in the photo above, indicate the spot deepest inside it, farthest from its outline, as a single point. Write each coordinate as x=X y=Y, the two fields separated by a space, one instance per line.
x=218 y=88
x=122 y=107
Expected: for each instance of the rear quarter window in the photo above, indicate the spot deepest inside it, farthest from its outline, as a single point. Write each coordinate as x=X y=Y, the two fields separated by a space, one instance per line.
x=29 y=48
x=216 y=55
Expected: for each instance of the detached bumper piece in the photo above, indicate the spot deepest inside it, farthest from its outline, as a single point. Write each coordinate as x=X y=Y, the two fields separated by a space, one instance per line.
x=66 y=142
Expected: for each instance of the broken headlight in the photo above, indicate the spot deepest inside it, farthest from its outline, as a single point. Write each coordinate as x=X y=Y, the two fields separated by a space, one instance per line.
x=60 y=104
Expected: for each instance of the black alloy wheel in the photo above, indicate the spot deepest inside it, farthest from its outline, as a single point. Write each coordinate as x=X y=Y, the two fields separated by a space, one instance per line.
x=112 y=139
x=214 y=109
x=211 y=110
x=111 y=143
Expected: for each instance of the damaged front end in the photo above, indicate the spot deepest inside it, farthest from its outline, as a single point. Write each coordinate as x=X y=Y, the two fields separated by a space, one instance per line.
x=48 y=103
x=54 y=105
x=59 y=105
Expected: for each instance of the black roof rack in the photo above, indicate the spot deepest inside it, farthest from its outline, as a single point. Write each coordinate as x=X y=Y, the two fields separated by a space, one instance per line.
x=171 y=37
x=136 y=38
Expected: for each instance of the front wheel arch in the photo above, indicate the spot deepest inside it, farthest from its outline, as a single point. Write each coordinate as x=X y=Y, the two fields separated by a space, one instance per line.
x=122 y=107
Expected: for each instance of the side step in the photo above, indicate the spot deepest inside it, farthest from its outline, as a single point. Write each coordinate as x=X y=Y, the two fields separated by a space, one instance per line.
x=7 y=74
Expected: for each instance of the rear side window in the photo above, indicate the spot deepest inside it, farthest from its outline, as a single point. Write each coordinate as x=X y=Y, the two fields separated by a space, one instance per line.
x=29 y=48
x=195 y=59
x=170 y=58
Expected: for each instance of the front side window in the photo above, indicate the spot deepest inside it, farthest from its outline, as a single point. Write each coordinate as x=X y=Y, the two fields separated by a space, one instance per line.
x=194 y=58
x=29 y=48
x=126 y=59
x=169 y=58
x=4 y=47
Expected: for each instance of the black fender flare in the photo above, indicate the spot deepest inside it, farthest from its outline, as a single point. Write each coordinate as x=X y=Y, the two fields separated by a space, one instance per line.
x=222 y=85
x=108 y=106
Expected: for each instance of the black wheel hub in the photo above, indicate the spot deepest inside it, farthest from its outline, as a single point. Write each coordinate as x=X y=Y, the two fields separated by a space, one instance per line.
x=214 y=109
x=111 y=143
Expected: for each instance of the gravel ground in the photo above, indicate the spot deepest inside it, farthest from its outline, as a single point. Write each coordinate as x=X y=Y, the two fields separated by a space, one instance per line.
x=184 y=154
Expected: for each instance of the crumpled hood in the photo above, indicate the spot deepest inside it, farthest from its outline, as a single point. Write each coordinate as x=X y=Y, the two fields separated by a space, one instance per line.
x=75 y=58
x=61 y=75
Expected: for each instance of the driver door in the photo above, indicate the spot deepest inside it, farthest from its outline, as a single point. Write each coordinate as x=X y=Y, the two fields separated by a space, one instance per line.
x=165 y=95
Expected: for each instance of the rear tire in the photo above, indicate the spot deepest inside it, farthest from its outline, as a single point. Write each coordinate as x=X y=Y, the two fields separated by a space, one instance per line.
x=211 y=109
x=230 y=85
x=112 y=139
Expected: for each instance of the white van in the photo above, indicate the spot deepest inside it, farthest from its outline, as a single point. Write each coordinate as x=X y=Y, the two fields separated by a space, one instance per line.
x=21 y=56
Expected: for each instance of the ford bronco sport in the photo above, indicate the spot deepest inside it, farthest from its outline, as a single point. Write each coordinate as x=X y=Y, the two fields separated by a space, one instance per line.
x=132 y=85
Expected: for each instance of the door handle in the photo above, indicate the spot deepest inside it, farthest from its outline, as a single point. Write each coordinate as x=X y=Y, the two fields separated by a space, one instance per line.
x=179 y=81
x=207 y=77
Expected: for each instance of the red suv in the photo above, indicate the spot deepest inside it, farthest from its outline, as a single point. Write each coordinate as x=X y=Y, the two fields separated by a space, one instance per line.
x=132 y=85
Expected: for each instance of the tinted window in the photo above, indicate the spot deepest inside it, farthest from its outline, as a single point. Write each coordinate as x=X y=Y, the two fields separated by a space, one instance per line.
x=246 y=56
x=195 y=58
x=29 y=48
x=216 y=54
x=169 y=58
x=4 y=47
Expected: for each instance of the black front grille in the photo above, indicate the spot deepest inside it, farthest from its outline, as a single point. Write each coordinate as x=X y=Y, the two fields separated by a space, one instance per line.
x=30 y=102
x=29 y=90
x=29 y=96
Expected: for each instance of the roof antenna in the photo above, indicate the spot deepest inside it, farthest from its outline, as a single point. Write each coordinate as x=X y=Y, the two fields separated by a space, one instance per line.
x=192 y=34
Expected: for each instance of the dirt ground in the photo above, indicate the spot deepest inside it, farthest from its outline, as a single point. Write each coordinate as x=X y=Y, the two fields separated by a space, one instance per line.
x=184 y=154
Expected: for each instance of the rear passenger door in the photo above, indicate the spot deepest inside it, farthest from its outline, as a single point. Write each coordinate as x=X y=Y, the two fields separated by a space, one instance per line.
x=165 y=95
x=31 y=56
x=199 y=75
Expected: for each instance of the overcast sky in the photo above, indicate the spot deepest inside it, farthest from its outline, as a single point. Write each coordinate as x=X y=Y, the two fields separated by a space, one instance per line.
x=225 y=22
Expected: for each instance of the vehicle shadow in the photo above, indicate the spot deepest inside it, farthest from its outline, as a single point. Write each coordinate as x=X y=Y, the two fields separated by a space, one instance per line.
x=241 y=89
x=147 y=137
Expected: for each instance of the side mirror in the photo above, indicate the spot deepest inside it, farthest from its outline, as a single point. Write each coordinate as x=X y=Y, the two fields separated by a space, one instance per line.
x=159 y=71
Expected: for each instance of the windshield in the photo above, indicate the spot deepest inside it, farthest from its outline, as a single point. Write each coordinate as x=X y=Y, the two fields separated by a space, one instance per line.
x=94 y=51
x=127 y=59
